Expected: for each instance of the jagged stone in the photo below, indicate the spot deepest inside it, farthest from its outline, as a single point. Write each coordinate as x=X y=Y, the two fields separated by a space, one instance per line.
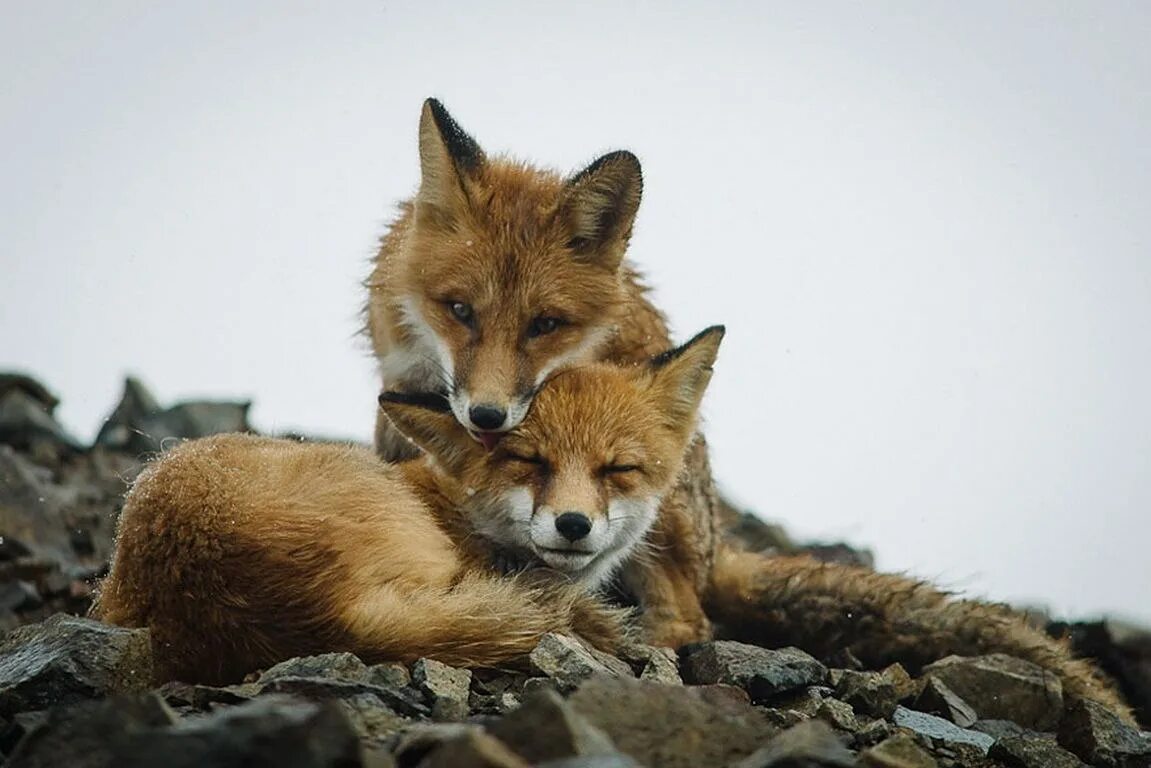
x=937 y=698
x=331 y=666
x=618 y=760
x=1098 y=736
x=838 y=714
x=473 y=749
x=939 y=730
x=26 y=421
x=898 y=751
x=66 y=659
x=811 y=743
x=872 y=693
x=805 y=701
x=546 y=727
x=1031 y=751
x=568 y=662
x=1003 y=687
x=139 y=424
x=762 y=672
x=91 y=734
x=671 y=726
x=403 y=701
x=660 y=665
x=391 y=674
x=445 y=688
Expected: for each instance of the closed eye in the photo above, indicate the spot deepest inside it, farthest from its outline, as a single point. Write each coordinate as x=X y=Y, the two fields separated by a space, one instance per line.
x=620 y=469
x=535 y=461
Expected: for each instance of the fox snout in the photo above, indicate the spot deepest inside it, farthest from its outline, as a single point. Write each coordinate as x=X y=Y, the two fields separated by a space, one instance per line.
x=488 y=414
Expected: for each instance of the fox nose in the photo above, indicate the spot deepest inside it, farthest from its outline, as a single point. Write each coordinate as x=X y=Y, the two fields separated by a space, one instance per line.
x=487 y=416
x=573 y=526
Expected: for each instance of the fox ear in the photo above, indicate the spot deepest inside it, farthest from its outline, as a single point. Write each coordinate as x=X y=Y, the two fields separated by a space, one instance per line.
x=448 y=156
x=600 y=203
x=426 y=419
x=679 y=376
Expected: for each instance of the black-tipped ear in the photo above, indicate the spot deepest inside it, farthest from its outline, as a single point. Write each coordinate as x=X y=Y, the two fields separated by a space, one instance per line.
x=599 y=206
x=448 y=155
x=426 y=419
x=680 y=375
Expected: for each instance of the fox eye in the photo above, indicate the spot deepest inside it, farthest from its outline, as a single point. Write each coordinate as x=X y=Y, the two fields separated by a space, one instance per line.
x=535 y=461
x=461 y=311
x=620 y=469
x=543 y=325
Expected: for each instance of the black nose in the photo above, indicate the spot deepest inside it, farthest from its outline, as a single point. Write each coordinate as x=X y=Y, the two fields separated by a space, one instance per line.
x=487 y=416
x=573 y=526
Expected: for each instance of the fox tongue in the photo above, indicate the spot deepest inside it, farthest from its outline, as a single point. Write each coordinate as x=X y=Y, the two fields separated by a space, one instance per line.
x=489 y=439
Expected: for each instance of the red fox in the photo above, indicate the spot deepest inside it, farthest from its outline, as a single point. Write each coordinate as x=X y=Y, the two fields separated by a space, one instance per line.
x=241 y=551
x=498 y=273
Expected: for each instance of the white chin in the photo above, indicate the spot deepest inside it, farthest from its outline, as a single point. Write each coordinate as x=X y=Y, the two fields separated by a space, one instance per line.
x=567 y=562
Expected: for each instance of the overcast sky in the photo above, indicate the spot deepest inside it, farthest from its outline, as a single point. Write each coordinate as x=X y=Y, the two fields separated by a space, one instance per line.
x=925 y=225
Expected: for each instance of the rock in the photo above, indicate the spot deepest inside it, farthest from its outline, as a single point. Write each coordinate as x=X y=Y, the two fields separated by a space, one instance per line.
x=873 y=693
x=838 y=714
x=547 y=727
x=140 y=425
x=26 y=421
x=569 y=662
x=331 y=666
x=762 y=672
x=939 y=730
x=473 y=749
x=66 y=659
x=1003 y=687
x=671 y=726
x=1098 y=736
x=391 y=674
x=1123 y=651
x=1031 y=751
x=401 y=700
x=618 y=760
x=811 y=743
x=91 y=734
x=661 y=665
x=445 y=688
x=937 y=698
x=999 y=729
x=371 y=718
x=421 y=739
x=898 y=751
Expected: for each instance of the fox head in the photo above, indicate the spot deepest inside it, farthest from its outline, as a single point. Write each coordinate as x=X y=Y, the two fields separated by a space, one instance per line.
x=511 y=271
x=578 y=483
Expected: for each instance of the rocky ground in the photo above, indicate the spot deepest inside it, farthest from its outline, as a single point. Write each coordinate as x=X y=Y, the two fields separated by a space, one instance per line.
x=74 y=692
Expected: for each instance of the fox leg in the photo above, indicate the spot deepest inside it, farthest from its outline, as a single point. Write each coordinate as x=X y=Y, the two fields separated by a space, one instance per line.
x=478 y=622
x=880 y=618
x=672 y=614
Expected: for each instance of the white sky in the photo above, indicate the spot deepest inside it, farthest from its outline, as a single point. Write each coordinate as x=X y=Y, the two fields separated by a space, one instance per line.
x=925 y=225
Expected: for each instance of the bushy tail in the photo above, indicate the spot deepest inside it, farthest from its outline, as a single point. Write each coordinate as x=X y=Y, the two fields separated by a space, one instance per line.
x=479 y=622
x=880 y=618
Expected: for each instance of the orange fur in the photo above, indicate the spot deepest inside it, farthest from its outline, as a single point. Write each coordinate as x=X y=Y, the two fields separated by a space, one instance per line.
x=240 y=551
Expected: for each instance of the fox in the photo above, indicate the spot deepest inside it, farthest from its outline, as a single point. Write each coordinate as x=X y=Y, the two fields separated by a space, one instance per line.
x=498 y=273
x=238 y=551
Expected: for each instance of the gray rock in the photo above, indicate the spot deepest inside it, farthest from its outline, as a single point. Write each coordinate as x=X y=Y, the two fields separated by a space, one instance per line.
x=661 y=666
x=1003 y=687
x=898 y=751
x=371 y=718
x=473 y=749
x=671 y=726
x=838 y=714
x=999 y=729
x=1031 y=751
x=27 y=424
x=401 y=700
x=333 y=666
x=872 y=693
x=445 y=688
x=762 y=672
x=1098 y=736
x=139 y=424
x=939 y=730
x=937 y=698
x=811 y=743
x=569 y=662
x=546 y=727
x=391 y=674
x=618 y=760
x=67 y=659
x=91 y=734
